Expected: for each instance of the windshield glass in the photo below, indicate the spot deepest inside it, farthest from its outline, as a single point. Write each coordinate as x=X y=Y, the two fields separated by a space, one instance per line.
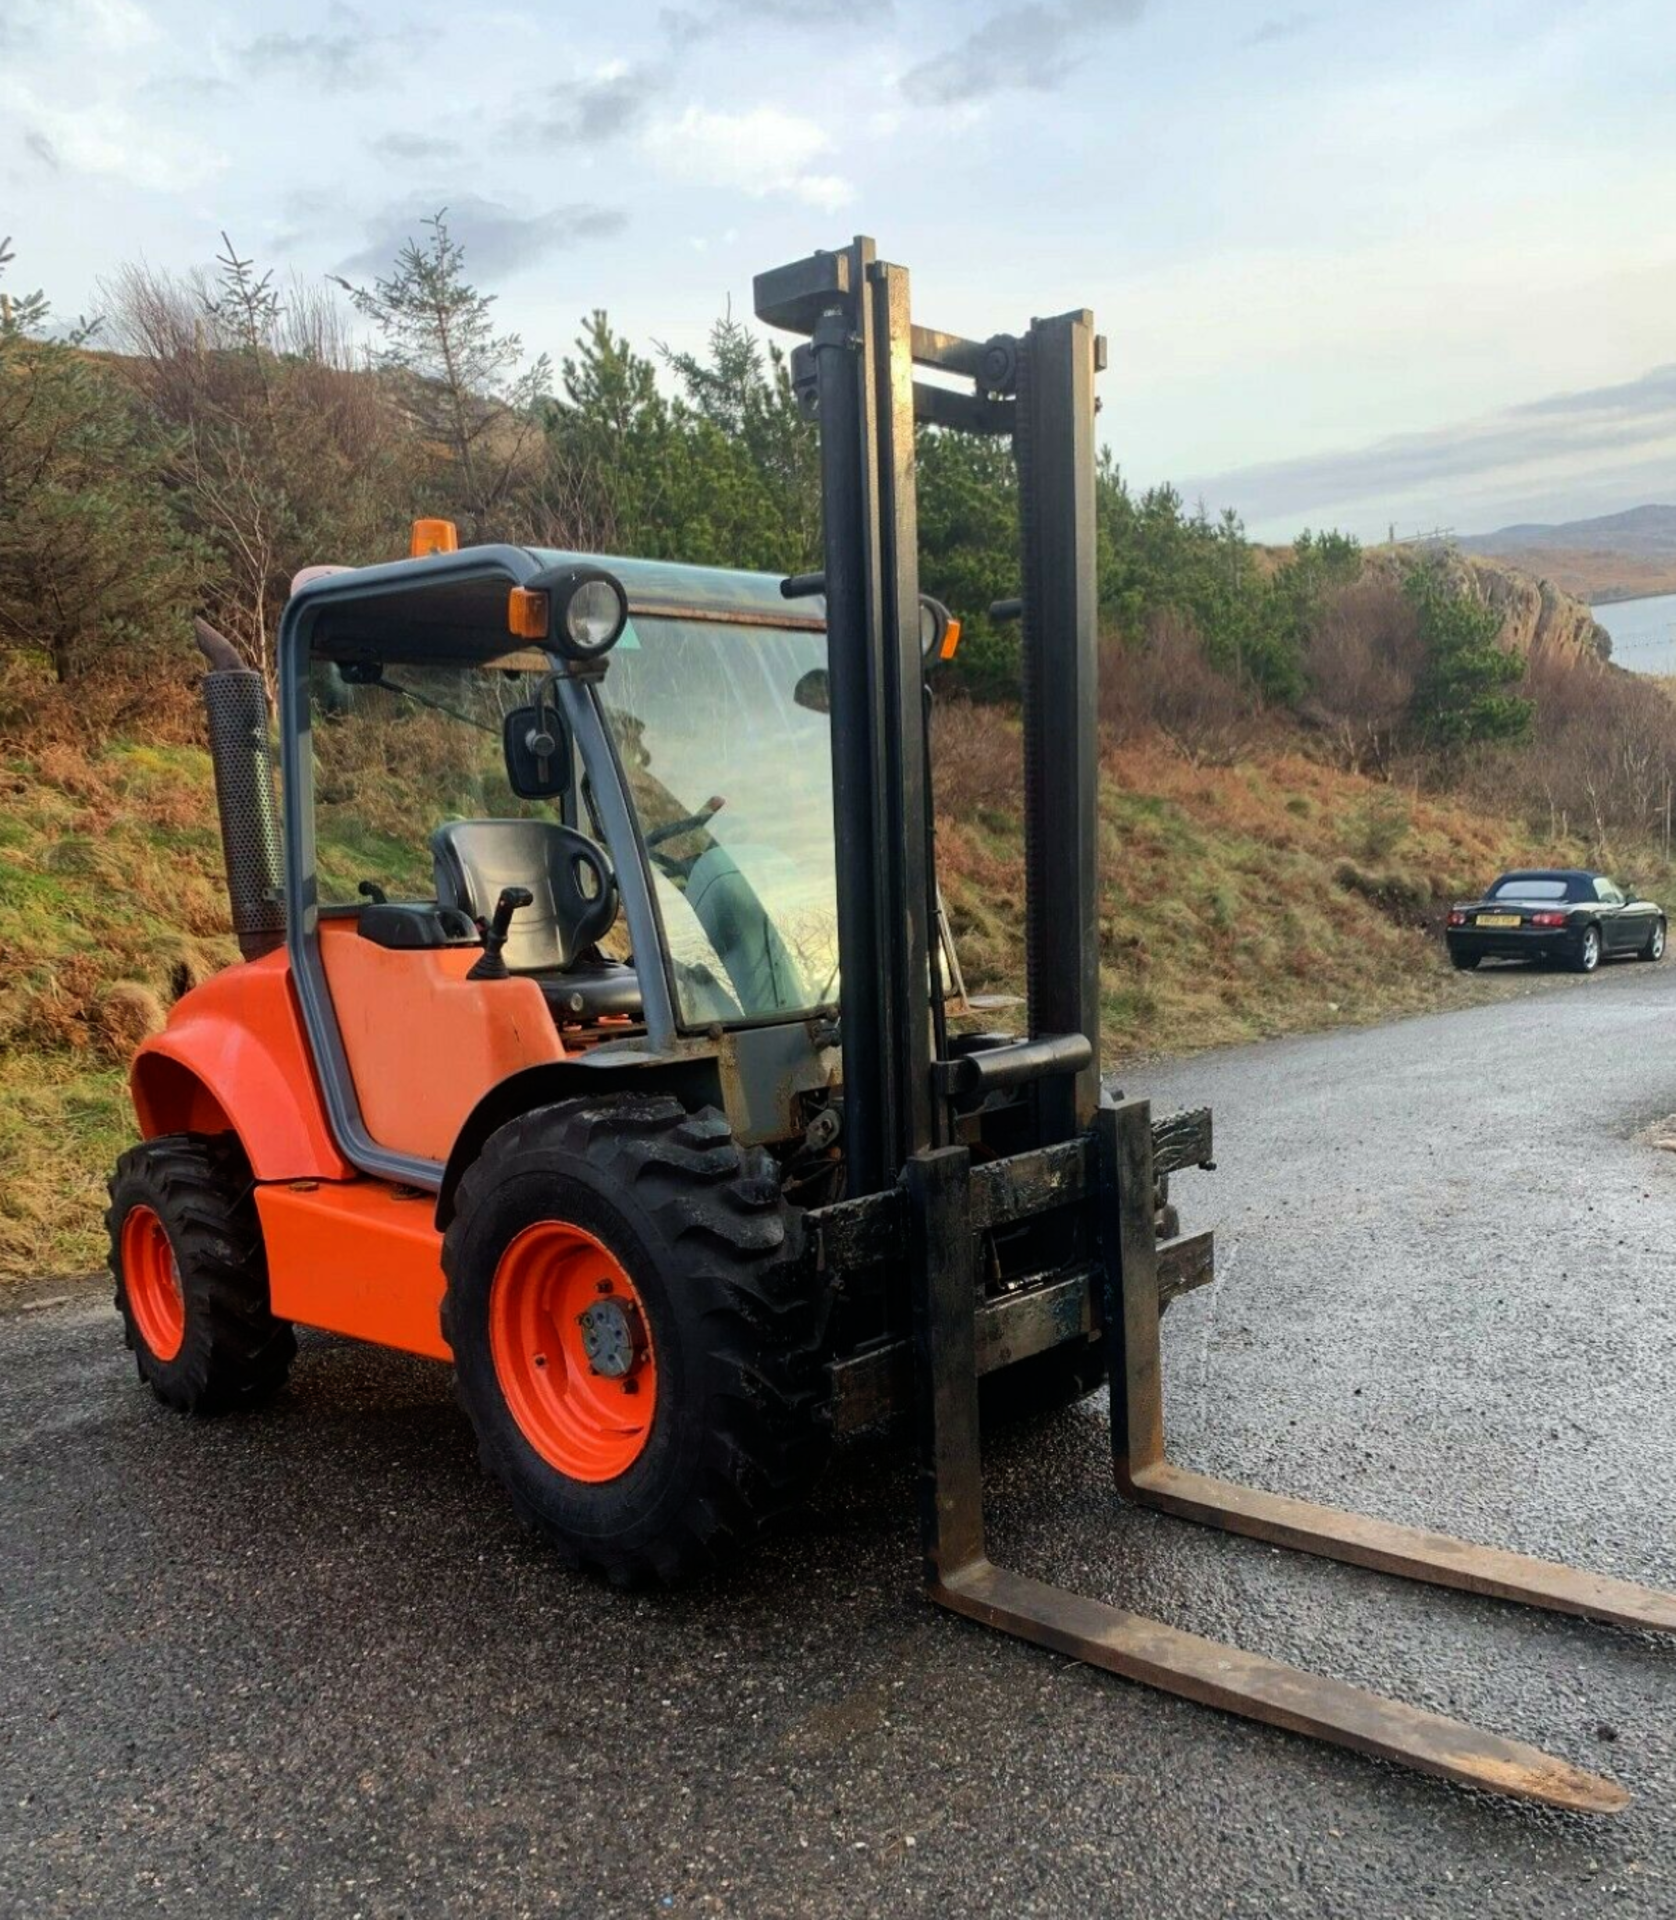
x=731 y=776
x=1529 y=887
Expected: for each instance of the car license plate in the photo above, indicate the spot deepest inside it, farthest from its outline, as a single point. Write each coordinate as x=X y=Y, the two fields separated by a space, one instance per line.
x=1497 y=920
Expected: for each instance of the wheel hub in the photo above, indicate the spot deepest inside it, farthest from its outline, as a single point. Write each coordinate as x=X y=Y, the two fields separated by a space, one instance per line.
x=610 y=1336
x=573 y=1351
x=151 y=1280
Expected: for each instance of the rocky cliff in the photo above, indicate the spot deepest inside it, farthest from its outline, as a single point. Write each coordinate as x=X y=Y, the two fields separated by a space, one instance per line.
x=1535 y=614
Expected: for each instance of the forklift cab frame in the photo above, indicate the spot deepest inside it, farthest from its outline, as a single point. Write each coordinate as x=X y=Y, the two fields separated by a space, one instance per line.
x=762 y=1066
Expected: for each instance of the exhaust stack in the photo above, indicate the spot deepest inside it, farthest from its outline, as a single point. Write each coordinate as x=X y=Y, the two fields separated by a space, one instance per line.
x=236 y=707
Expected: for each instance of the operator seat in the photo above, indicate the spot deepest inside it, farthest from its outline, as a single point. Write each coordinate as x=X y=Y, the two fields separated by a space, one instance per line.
x=552 y=939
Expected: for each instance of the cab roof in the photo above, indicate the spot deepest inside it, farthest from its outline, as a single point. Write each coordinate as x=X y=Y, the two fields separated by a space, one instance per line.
x=664 y=584
x=446 y=594
x=455 y=598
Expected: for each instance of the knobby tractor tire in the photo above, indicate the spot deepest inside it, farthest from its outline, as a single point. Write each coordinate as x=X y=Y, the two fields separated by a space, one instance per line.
x=633 y=1199
x=191 y=1275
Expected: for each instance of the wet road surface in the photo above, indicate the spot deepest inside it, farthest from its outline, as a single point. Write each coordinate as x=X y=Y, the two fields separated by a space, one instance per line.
x=303 y=1661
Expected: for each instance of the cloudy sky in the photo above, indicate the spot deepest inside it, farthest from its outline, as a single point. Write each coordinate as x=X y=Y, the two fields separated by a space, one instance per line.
x=1360 y=261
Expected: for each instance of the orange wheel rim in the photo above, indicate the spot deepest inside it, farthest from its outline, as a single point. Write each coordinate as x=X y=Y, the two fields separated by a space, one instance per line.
x=152 y=1280
x=572 y=1351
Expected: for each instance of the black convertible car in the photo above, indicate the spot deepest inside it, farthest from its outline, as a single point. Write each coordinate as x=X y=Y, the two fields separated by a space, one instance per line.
x=1557 y=913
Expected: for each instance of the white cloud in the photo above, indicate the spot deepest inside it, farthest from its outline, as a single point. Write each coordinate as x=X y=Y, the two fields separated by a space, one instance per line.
x=72 y=92
x=759 y=152
x=106 y=26
x=828 y=191
x=119 y=25
x=106 y=141
x=103 y=26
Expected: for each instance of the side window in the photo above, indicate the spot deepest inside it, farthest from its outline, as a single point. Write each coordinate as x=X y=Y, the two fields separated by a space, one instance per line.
x=1608 y=894
x=394 y=758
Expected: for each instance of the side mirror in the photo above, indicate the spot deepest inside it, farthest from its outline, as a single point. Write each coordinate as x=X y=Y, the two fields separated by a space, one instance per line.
x=536 y=744
x=814 y=691
x=939 y=631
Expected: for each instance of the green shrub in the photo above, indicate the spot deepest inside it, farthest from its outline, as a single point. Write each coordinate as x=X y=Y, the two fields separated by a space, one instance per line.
x=1378 y=827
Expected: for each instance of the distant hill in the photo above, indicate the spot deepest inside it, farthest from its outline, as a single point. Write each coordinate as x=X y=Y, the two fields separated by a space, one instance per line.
x=1617 y=556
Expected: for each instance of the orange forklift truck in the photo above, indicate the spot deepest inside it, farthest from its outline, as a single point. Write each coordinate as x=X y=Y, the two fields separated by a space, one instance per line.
x=592 y=1035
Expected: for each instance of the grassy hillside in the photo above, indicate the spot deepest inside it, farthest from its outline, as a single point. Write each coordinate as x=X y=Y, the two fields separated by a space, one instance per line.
x=110 y=906
x=1239 y=901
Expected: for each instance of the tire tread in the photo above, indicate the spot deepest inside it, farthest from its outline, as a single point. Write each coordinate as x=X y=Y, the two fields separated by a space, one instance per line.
x=717 y=1208
x=236 y=1353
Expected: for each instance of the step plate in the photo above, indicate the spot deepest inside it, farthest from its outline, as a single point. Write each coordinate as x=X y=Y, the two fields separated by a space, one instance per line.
x=1257 y=1688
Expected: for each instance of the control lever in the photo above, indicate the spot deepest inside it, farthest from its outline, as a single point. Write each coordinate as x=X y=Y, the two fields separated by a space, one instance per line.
x=491 y=966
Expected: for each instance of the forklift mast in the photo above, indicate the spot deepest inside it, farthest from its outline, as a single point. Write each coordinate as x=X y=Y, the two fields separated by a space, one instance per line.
x=857 y=371
x=916 y=1201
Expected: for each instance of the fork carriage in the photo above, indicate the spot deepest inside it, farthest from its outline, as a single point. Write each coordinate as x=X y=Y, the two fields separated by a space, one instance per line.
x=1121 y=1285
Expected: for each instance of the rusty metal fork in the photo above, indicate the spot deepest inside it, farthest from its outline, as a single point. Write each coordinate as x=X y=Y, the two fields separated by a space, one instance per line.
x=959 y=1574
x=1145 y=1475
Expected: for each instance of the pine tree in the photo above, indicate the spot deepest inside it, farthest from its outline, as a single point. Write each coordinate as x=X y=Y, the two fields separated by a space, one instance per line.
x=93 y=567
x=464 y=385
x=1463 y=692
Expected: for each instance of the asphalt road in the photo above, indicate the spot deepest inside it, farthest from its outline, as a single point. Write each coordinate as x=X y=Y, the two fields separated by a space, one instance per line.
x=303 y=1662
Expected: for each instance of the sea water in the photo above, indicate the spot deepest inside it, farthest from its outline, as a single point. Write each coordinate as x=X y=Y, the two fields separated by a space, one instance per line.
x=1643 y=632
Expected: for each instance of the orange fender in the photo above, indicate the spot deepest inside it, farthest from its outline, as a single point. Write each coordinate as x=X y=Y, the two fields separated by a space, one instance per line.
x=234 y=1058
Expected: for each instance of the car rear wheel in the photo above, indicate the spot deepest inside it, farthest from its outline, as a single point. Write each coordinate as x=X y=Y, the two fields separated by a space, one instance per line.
x=1587 y=957
x=1653 y=947
x=1465 y=962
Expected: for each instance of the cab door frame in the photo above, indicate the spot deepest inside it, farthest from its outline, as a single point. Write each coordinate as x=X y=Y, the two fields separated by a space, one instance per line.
x=373 y=598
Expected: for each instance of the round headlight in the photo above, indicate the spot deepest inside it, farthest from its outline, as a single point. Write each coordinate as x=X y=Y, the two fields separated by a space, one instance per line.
x=581 y=611
x=594 y=616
